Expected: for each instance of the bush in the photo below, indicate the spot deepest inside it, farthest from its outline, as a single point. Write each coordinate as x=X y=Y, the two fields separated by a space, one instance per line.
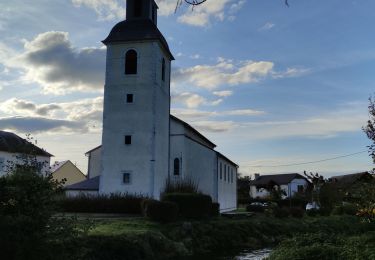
x=113 y=203
x=348 y=209
x=296 y=212
x=280 y=212
x=190 y=205
x=215 y=209
x=161 y=211
x=255 y=208
x=312 y=212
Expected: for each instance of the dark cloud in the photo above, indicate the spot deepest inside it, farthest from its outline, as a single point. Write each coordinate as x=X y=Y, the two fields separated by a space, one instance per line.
x=37 y=124
x=52 y=61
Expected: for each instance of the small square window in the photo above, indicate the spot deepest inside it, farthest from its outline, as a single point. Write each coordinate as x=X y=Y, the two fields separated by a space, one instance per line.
x=128 y=139
x=126 y=177
x=129 y=98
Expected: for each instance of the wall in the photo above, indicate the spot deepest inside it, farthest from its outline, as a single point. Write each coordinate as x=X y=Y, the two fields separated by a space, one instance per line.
x=227 y=184
x=6 y=157
x=75 y=193
x=69 y=172
x=94 y=163
x=290 y=188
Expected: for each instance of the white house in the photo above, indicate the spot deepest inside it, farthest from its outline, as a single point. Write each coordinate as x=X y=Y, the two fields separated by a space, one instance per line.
x=13 y=148
x=291 y=184
x=142 y=144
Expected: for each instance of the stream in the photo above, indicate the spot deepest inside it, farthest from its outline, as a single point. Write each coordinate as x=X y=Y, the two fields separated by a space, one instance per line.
x=242 y=255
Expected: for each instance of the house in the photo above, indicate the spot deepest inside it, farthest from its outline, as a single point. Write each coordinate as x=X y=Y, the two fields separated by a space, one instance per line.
x=291 y=184
x=345 y=181
x=142 y=144
x=68 y=171
x=13 y=150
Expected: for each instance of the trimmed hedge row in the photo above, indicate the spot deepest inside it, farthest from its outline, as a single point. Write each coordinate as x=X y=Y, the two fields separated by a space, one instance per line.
x=161 y=211
x=191 y=205
x=114 y=203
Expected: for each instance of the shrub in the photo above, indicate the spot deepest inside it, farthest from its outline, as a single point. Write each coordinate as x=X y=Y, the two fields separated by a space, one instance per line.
x=215 y=209
x=296 y=212
x=113 y=203
x=190 y=205
x=312 y=212
x=280 y=212
x=347 y=208
x=161 y=211
x=255 y=208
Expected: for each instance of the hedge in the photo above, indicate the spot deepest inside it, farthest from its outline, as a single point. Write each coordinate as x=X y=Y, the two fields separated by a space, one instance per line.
x=190 y=205
x=161 y=211
x=114 y=203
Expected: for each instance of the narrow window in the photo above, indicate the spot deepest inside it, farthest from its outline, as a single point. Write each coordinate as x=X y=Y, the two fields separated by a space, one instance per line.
x=231 y=175
x=176 y=166
x=163 y=70
x=126 y=177
x=128 y=139
x=131 y=62
x=129 y=98
x=221 y=171
x=137 y=8
x=225 y=173
x=300 y=188
x=153 y=14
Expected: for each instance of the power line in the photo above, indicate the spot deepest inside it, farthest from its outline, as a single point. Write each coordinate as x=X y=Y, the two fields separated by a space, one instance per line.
x=303 y=163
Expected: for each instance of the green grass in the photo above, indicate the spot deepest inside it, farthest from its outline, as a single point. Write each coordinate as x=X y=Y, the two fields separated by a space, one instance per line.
x=113 y=227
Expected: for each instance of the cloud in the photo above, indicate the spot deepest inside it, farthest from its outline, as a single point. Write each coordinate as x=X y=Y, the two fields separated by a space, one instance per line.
x=266 y=27
x=201 y=15
x=38 y=124
x=191 y=114
x=26 y=116
x=105 y=9
x=291 y=72
x=225 y=72
x=192 y=100
x=224 y=93
x=51 y=60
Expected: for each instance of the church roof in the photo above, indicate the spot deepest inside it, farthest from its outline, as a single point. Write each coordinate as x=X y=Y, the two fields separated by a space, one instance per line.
x=193 y=130
x=12 y=143
x=89 y=184
x=137 y=30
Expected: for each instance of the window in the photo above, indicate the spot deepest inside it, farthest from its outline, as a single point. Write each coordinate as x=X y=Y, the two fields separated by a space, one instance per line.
x=126 y=177
x=231 y=175
x=128 y=139
x=153 y=14
x=129 y=98
x=176 y=167
x=221 y=171
x=300 y=188
x=163 y=70
x=137 y=8
x=131 y=62
x=225 y=173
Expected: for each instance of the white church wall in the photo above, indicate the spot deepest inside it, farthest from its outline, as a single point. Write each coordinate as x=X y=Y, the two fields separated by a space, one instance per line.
x=227 y=184
x=199 y=162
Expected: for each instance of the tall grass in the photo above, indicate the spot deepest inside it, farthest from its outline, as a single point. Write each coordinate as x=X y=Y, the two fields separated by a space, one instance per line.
x=183 y=185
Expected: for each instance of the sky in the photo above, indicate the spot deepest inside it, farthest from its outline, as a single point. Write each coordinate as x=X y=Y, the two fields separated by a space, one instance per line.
x=273 y=86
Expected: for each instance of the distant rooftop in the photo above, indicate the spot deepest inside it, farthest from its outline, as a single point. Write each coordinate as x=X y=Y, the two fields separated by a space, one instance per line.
x=90 y=184
x=12 y=143
x=279 y=179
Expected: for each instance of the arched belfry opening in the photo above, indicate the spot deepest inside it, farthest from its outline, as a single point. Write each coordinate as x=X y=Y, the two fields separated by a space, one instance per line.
x=131 y=60
x=141 y=9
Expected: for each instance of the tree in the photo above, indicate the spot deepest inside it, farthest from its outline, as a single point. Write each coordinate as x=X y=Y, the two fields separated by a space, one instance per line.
x=243 y=189
x=369 y=129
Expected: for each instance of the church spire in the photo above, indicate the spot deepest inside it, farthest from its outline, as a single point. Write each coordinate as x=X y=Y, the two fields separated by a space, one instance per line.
x=141 y=9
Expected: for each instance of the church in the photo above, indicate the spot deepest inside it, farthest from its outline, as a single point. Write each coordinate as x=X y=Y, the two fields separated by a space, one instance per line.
x=142 y=143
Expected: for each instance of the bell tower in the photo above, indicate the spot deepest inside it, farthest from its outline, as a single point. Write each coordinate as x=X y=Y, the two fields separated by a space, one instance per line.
x=135 y=138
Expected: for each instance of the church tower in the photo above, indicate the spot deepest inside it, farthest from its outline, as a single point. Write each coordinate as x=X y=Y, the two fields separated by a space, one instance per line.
x=135 y=140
